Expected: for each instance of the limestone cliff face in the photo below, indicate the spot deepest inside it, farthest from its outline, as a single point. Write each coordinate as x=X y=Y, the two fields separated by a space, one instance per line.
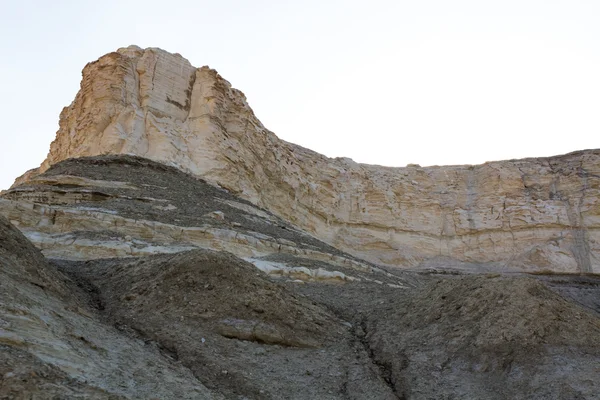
x=525 y=214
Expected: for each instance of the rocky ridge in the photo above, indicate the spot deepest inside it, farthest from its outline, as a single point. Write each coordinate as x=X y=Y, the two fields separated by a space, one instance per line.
x=531 y=214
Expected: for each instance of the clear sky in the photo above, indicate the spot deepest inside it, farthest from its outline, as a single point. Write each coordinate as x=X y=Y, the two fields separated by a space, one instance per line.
x=383 y=82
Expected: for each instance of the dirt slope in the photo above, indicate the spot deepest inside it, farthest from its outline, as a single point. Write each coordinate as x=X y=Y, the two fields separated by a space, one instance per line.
x=487 y=337
x=53 y=346
x=239 y=332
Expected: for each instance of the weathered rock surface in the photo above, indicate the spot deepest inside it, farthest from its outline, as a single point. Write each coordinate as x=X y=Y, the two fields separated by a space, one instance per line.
x=531 y=214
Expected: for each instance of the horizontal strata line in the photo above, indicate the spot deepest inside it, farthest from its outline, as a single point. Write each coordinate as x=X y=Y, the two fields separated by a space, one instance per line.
x=374 y=227
x=382 y=228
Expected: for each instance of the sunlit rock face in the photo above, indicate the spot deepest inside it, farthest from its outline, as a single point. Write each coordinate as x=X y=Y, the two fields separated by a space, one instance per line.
x=532 y=214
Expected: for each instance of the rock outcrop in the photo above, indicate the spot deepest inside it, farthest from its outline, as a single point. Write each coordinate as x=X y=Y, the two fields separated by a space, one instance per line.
x=183 y=251
x=531 y=214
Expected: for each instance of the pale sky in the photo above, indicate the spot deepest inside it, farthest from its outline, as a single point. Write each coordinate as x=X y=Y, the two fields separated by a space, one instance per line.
x=383 y=82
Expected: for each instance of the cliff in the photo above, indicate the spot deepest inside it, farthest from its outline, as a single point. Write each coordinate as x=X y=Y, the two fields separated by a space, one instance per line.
x=531 y=214
x=172 y=247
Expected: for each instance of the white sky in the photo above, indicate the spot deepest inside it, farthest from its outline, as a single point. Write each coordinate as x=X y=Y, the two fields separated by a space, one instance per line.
x=383 y=82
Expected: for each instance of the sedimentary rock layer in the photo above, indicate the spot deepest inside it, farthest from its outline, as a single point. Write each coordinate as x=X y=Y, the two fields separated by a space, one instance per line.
x=123 y=206
x=524 y=214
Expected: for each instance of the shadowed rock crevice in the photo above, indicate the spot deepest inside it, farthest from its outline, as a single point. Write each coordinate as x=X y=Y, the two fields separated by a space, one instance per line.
x=360 y=331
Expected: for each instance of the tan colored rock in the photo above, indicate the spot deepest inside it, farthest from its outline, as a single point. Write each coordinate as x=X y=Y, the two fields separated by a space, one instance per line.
x=530 y=214
x=216 y=215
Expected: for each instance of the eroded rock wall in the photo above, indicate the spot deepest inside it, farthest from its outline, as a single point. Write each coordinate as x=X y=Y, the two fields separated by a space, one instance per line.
x=525 y=214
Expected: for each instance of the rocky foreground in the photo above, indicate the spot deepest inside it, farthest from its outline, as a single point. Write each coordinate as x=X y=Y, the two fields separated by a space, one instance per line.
x=170 y=247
